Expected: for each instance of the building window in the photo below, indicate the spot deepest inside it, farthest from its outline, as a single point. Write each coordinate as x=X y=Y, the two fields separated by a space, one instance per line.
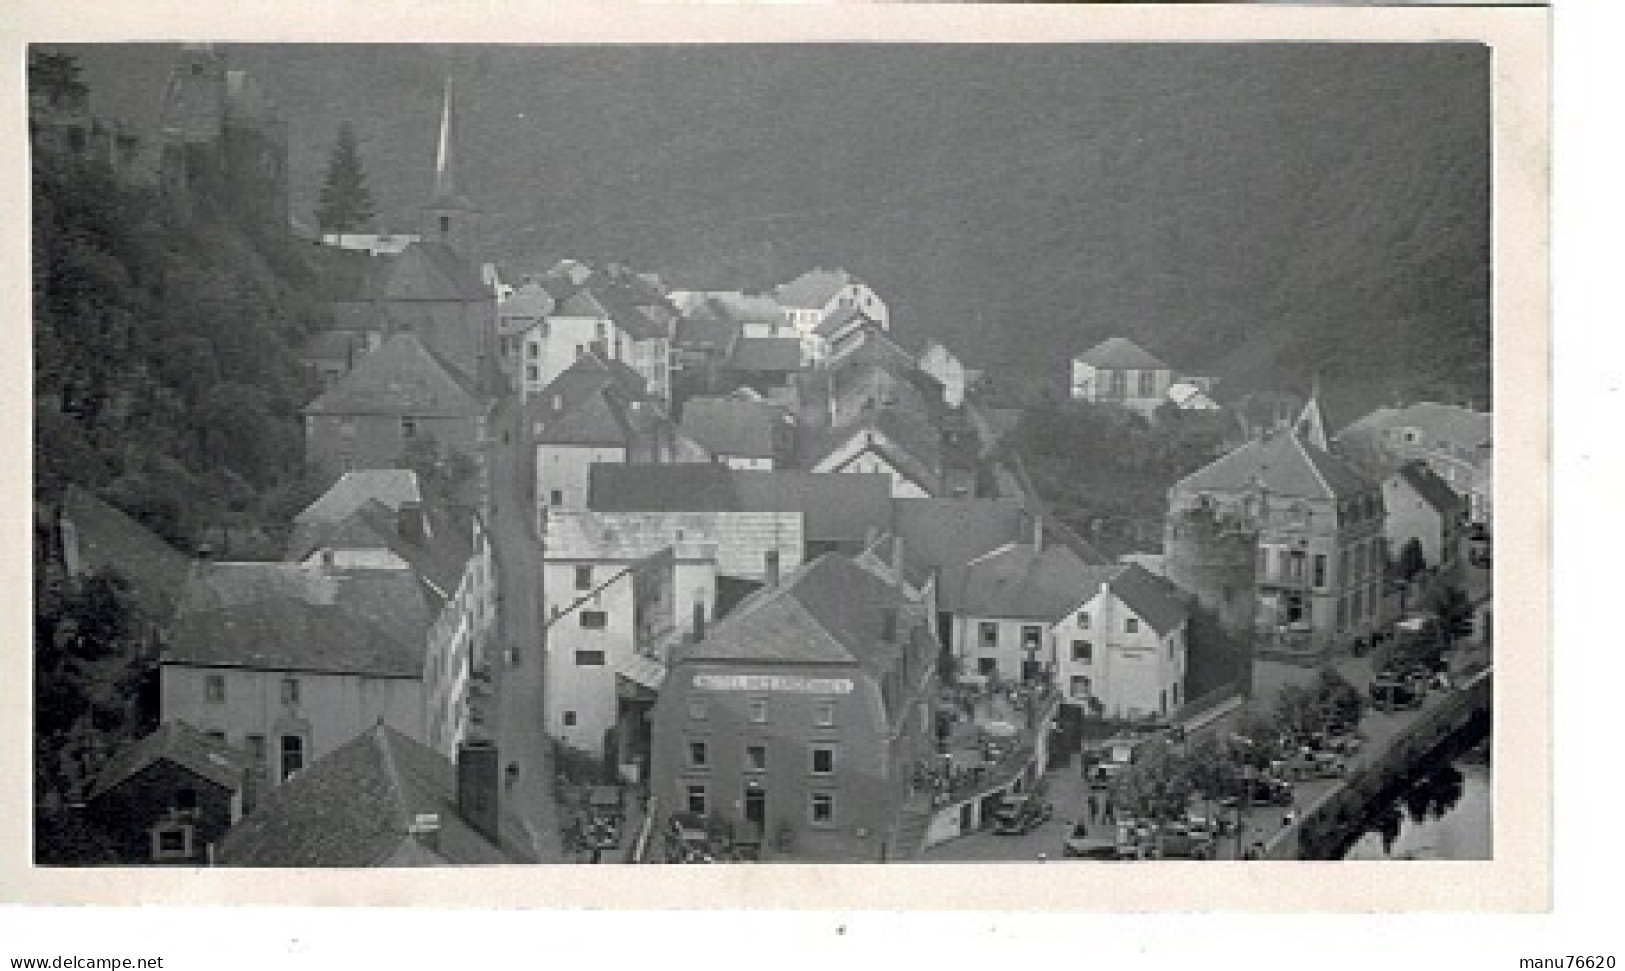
x=569 y=719
x=1032 y=637
x=1263 y=561
x=290 y=691
x=823 y=809
x=756 y=758
x=697 y=755
x=1342 y=612
x=532 y=373
x=988 y=634
x=217 y=735
x=589 y=659
x=1343 y=566
x=1083 y=652
x=823 y=760
x=1320 y=569
x=1131 y=625
x=594 y=619
x=987 y=667
x=758 y=710
x=1162 y=700
x=583 y=578
x=293 y=755
x=1176 y=693
x=696 y=800
x=214 y=689
x=445 y=225
x=1148 y=384
x=171 y=841
x=533 y=350
x=256 y=748
x=824 y=714
x=555 y=497
x=409 y=427
x=696 y=710
x=1080 y=686
x=1083 y=620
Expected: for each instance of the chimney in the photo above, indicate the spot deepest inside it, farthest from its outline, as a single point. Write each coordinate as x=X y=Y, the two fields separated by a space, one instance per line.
x=479 y=788
x=409 y=521
x=772 y=563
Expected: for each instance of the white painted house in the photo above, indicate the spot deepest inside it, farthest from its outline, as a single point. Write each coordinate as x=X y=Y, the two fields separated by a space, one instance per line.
x=1121 y=651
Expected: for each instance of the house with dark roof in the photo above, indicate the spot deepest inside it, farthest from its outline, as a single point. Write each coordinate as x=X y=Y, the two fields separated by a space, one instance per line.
x=800 y=718
x=1122 y=651
x=1121 y=372
x=887 y=441
x=1002 y=604
x=596 y=411
x=740 y=433
x=763 y=363
x=384 y=799
x=812 y=299
x=289 y=679
x=1320 y=546
x=171 y=796
x=625 y=320
x=398 y=393
x=96 y=536
x=1457 y=443
x=1421 y=506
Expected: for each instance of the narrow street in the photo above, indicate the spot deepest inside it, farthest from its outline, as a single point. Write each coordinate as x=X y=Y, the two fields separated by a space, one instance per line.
x=516 y=660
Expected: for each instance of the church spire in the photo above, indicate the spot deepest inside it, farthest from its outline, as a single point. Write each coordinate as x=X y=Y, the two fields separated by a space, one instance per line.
x=1311 y=425
x=449 y=216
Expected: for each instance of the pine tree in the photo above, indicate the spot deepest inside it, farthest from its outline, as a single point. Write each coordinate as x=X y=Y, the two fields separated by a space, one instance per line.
x=346 y=203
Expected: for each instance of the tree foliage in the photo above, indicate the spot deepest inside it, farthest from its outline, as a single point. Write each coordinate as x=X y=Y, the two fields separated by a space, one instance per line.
x=346 y=202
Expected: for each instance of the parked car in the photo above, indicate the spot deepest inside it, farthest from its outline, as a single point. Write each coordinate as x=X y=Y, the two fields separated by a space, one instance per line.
x=1176 y=841
x=1021 y=815
x=1391 y=693
x=1080 y=845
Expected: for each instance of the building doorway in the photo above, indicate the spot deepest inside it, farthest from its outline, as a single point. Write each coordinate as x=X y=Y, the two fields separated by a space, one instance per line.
x=756 y=805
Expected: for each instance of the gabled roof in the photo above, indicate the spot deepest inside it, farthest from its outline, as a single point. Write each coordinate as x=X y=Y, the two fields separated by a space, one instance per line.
x=829 y=611
x=1430 y=487
x=1282 y=464
x=290 y=634
x=909 y=444
x=1020 y=582
x=530 y=299
x=106 y=537
x=835 y=508
x=355 y=807
x=731 y=426
x=1462 y=427
x=780 y=354
x=623 y=306
x=702 y=330
x=1154 y=599
x=392 y=487
x=217 y=585
x=939 y=534
x=402 y=377
x=837 y=320
x=581 y=303
x=175 y=741
x=814 y=289
x=1120 y=352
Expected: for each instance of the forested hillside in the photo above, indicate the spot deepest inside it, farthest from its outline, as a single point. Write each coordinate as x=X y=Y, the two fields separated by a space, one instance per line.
x=165 y=378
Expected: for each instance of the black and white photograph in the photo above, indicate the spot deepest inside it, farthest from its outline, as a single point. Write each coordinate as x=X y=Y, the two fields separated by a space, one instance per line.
x=1074 y=453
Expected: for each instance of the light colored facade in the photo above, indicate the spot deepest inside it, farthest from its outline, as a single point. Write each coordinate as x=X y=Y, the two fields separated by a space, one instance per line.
x=1115 y=661
x=1419 y=505
x=254 y=710
x=871 y=450
x=1455 y=442
x=1320 y=547
x=940 y=363
x=460 y=650
x=562 y=469
x=1002 y=647
x=815 y=295
x=619 y=591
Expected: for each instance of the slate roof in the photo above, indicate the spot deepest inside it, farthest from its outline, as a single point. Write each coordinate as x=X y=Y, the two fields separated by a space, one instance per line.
x=773 y=354
x=731 y=426
x=702 y=330
x=340 y=346
x=392 y=487
x=908 y=443
x=1281 y=463
x=402 y=377
x=354 y=808
x=106 y=537
x=835 y=508
x=826 y=612
x=622 y=304
x=1157 y=602
x=814 y=289
x=1120 y=352
x=290 y=634
x=1431 y=487
x=939 y=534
x=1458 y=426
x=1019 y=582
x=837 y=319
x=581 y=303
x=218 y=585
x=175 y=741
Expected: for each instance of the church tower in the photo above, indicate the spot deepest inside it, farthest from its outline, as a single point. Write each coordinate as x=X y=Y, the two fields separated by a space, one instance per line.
x=449 y=216
x=1311 y=425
